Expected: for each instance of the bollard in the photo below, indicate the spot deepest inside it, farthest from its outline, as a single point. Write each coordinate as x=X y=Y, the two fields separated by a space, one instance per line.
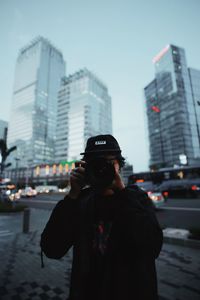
x=26 y=220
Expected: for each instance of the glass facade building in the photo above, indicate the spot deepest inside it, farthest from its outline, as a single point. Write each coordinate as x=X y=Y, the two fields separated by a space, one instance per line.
x=195 y=86
x=172 y=110
x=84 y=110
x=32 y=127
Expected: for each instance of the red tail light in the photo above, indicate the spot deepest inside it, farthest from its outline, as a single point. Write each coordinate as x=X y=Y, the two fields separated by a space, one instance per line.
x=194 y=188
x=165 y=194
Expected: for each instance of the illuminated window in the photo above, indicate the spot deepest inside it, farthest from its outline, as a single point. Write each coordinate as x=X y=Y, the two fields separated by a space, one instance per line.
x=54 y=169
x=180 y=174
x=66 y=168
x=37 y=171
x=47 y=170
x=60 y=168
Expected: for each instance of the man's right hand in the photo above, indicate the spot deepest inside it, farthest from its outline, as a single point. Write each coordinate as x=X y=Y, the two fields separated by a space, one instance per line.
x=77 y=179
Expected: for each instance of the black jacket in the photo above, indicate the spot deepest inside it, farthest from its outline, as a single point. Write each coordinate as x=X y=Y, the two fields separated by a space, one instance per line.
x=135 y=242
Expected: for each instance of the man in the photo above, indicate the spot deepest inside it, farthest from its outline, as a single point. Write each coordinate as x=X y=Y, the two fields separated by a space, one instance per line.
x=113 y=230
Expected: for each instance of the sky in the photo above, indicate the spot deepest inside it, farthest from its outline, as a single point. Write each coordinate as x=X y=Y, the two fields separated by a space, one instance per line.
x=115 y=39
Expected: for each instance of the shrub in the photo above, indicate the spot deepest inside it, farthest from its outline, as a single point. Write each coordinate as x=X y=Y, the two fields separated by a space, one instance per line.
x=11 y=207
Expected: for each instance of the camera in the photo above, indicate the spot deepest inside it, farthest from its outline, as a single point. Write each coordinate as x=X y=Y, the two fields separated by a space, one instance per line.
x=99 y=172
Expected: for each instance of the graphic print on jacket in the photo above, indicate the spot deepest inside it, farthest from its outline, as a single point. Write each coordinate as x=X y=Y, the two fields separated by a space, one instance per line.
x=101 y=235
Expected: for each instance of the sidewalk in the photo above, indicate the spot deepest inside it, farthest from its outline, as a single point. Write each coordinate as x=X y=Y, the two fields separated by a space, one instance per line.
x=21 y=275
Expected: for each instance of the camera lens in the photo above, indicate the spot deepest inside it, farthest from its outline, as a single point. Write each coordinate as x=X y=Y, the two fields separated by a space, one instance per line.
x=100 y=172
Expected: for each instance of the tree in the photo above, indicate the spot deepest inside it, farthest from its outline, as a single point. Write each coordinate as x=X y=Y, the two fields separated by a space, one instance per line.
x=5 y=152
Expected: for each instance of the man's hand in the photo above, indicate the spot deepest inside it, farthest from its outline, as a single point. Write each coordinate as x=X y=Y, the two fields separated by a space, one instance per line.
x=117 y=183
x=77 y=180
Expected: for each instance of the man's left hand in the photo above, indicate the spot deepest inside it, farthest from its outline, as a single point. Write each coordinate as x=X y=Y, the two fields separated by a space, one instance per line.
x=118 y=184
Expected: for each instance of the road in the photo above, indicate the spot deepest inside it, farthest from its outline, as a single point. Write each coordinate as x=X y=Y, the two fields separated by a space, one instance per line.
x=180 y=213
x=177 y=266
x=177 y=213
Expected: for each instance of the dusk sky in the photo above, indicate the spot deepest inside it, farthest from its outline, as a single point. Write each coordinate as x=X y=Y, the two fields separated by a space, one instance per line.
x=116 y=40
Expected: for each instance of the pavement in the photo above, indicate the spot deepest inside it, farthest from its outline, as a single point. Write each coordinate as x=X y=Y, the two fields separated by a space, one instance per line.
x=21 y=275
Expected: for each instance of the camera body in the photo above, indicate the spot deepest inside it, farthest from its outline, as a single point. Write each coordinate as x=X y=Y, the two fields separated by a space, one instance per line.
x=99 y=172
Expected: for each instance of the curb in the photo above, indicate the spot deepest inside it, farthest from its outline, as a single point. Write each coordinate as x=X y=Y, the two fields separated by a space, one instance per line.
x=182 y=242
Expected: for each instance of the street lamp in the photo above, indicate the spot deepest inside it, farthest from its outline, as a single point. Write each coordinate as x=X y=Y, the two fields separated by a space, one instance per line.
x=26 y=182
x=27 y=172
x=16 y=170
x=26 y=164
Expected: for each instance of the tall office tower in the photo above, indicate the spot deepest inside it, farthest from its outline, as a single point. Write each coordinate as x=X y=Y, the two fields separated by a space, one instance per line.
x=84 y=110
x=3 y=126
x=195 y=86
x=32 y=128
x=173 y=111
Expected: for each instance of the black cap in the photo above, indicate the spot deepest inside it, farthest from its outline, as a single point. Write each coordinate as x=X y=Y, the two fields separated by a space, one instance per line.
x=101 y=143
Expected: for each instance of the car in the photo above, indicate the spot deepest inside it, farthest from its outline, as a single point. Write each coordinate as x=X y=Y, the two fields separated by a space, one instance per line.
x=28 y=192
x=4 y=195
x=64 y=190
x=14 y=195
x=34 y=192
x=9 y=193
x=157 y=199
x=156 y=196
x=46 y=189
x=185 y=188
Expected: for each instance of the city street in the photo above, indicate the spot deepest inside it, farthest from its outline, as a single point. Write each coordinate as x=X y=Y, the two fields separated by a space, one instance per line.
x=91 y=92
x=177 y=266
x=180 y=213
x=22 y=277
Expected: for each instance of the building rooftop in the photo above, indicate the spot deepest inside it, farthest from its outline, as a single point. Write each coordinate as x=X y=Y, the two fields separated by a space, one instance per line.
x=35 y=41
x=82 y=73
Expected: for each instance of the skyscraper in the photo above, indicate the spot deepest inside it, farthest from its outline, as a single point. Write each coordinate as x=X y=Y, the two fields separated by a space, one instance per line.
x=32 y=127
x=195 y=86
x=173 y=111
x=84 y=110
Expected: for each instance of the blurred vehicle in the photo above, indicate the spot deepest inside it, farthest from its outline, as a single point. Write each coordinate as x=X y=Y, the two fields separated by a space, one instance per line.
x=156 y=196
x=195 y=188
x=149 y=186
x=176 y=182
x=34 y=192
x=28 y=192
x=157 y=199
x=42 y=189
x=64 y=190
x=14 y=195
x=4 y=195
x=186 y=188
x=9 y=193
x=46 y=189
